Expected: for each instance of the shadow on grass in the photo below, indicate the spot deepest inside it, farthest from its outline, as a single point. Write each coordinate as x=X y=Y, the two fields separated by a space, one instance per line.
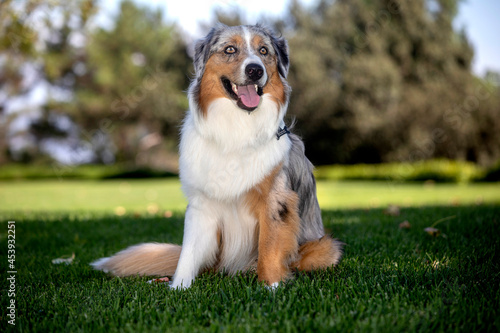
x=390 y=279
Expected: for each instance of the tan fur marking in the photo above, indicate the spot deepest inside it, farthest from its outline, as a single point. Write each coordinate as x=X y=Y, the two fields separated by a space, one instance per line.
x=211 y=86
x=218 y=65
x=257 y=42
x=277 y=236
x=275 y=86
x=220 y=250
x=322 y=253
x=237 y=40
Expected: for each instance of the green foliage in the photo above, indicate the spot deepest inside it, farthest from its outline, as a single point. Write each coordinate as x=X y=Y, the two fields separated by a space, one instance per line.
x=435 y=170
x=493 y=174
x=132 y=88
x=373 y=81
x=383 y=81
x=389 y=280
x=35 y=38
x=87 y=172
x=124 y=85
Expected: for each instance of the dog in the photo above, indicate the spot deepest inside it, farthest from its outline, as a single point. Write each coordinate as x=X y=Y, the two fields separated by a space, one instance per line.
x=251 y=192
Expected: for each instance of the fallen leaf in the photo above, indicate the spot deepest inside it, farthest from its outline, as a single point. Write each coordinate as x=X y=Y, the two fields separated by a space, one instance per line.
x=64 y=260
x=392 y=210
x=432 y=231
x=160 y=280
x=436 y=232
x=405 y=225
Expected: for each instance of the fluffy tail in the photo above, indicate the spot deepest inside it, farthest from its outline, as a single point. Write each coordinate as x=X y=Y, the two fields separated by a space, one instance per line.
x=142 y=259
x=322 y=253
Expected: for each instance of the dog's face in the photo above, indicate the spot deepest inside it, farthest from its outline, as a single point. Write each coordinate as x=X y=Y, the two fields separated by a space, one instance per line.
x=241 y=64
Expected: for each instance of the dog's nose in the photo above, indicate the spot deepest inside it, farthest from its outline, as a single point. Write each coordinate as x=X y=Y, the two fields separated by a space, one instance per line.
x=254 y=72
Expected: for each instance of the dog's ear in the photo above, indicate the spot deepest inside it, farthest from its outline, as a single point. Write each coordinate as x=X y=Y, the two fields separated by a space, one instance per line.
x=203 y=49
x=281 y=48
x=202 y=53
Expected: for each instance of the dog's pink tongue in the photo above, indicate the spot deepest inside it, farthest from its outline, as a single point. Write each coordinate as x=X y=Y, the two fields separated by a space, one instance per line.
x=248 y=96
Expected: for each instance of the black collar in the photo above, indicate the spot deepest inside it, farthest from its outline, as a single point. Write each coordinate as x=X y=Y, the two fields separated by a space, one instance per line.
x=282 y=131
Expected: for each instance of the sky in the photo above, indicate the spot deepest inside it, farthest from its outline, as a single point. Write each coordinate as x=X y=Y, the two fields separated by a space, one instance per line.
x=479 y=18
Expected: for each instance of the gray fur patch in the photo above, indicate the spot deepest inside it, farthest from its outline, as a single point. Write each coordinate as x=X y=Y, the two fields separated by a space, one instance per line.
x=299 y=172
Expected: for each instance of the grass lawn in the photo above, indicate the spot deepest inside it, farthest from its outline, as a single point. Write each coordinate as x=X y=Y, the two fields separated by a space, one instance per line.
x=165 y=194
x=390 y=279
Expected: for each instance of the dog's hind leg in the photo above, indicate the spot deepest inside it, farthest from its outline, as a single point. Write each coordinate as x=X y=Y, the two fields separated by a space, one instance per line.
x=318 y=254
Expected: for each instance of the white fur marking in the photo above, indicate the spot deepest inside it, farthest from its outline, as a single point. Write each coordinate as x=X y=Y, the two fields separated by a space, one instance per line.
x=238 y=238
x=230 y=151
x=100 y=264
x=252 y=58
x=248 y=38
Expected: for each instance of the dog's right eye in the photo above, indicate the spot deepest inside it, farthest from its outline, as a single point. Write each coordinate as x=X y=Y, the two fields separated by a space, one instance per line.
x=230 y=50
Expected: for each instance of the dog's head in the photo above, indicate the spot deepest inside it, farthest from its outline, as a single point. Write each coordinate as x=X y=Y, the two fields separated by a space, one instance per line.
x=242 y=64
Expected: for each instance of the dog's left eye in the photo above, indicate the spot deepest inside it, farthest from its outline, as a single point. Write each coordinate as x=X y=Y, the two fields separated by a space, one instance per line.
x=263 y=50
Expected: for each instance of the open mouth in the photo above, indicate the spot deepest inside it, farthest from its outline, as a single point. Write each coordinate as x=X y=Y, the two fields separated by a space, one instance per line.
x=247 y=97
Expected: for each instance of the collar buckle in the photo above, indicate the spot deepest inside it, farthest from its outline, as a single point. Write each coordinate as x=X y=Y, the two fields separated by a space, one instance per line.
x=282 y=131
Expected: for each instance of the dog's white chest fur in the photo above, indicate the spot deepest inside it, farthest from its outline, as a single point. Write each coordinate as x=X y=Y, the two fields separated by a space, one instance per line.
x=227 y=153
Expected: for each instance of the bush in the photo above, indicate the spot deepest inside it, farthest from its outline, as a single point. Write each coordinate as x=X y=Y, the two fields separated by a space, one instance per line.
x=91 y=172
x=434 y=170
x=493 y=174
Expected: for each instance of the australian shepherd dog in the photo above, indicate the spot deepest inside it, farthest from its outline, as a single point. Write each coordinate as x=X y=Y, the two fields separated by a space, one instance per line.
x=250 y=188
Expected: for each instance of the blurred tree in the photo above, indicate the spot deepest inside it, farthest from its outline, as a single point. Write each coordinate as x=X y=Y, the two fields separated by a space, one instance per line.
x=232 y=17
x=130 y=86
x=17 y=46
x=116 y=93
x=373 y=81
x=383 y=80
x=39 y=44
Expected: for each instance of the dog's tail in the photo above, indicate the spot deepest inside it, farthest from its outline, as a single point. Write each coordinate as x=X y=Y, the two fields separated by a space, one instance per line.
x=319 y=254
x=142 y=259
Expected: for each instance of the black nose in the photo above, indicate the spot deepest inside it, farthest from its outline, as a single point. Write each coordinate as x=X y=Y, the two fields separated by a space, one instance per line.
x=254 y=72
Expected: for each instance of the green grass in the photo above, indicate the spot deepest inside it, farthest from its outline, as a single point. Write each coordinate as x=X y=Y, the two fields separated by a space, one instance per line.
x=165 y=194
x=389 y=280
x=83 y=195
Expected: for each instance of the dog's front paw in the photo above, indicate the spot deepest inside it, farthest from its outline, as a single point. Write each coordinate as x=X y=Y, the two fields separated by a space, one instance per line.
x=181 y=283
x=171 y=284
x=273 y=286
